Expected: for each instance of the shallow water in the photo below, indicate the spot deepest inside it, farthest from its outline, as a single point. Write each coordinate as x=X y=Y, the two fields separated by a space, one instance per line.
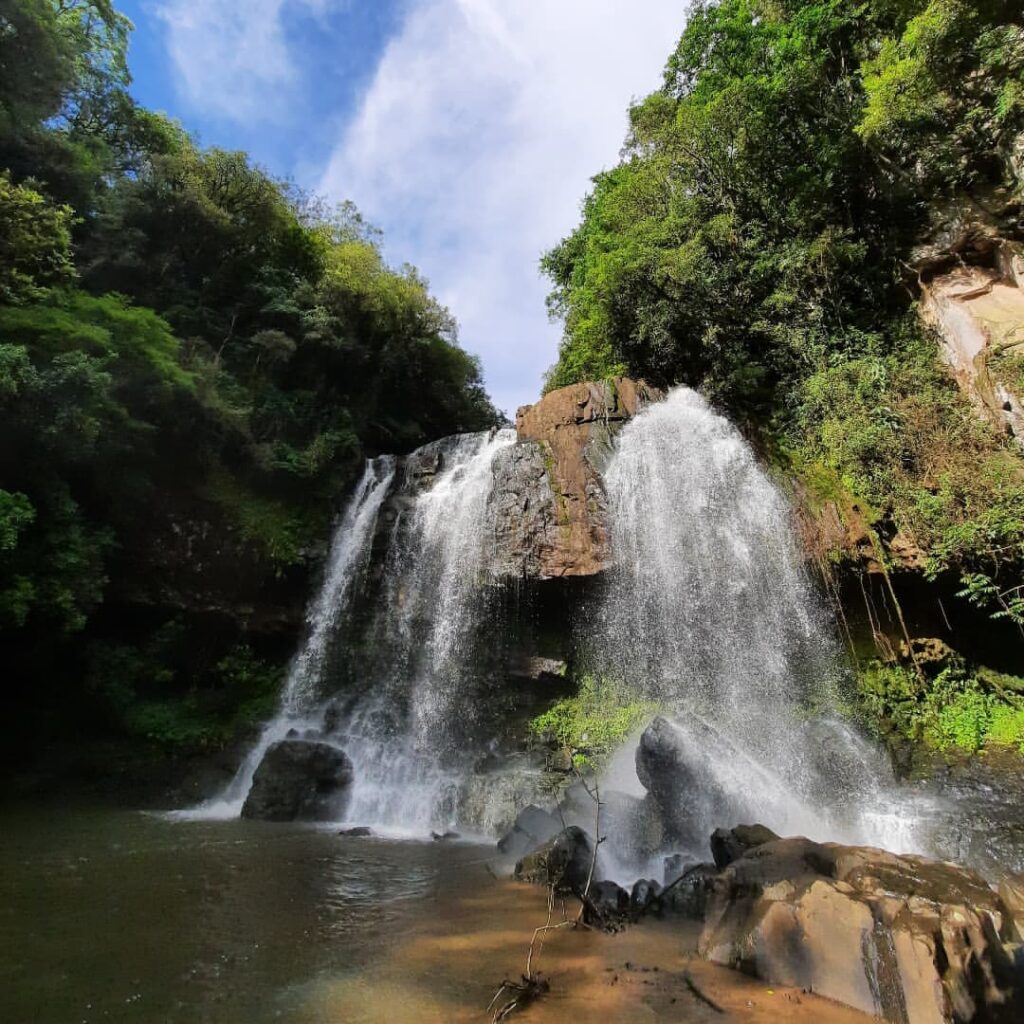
x=129 y=917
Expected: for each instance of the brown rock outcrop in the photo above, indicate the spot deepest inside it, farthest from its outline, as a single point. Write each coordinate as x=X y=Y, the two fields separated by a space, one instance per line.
x=911 y=940
x=549 y=502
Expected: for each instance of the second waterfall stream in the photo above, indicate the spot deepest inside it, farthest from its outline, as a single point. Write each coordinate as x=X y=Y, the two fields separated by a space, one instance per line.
x=707 y=611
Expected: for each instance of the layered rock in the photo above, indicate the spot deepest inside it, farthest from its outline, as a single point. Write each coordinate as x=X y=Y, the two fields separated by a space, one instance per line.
x=908 y=939
x=979 y=313
x=548 y=499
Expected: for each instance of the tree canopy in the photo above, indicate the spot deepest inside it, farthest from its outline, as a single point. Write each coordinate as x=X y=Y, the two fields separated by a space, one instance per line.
x=183 y=339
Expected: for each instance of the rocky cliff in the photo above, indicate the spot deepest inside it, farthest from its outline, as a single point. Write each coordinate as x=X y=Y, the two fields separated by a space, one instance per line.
x=548 y=500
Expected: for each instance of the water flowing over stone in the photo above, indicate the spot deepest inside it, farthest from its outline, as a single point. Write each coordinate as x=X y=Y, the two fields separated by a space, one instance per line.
x=350 y=548
x=709 y=610
x=348 y=555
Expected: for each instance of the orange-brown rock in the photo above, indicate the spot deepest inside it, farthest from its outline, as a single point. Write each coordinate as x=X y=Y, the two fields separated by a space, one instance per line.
x=910 y=940
x=548 y=500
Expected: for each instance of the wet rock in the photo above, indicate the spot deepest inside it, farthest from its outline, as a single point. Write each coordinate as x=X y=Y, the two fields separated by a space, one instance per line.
x=490 y=801
x=674 y=762
x=606 y=905
x=299 y=780
x=563 y=861
x=730 y=844
x=908 y=939
x=644 y=895
x=533 y=826
x=537 y=669
x=688 y=894
x=444 y=837
x=978 y=817
x=548 y=504
x=1011 y=892
x=674 y=866
x=357 y=832
x=333 y=715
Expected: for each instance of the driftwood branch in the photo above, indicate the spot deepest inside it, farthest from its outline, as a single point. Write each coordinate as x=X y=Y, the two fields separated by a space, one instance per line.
x=516 y=995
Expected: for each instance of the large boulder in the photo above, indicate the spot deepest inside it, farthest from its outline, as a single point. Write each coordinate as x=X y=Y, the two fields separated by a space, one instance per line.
x=300 y=780
x=564 y=861
x=910 y=940
x=678 y=763
x=730 y=844
x=533 y=827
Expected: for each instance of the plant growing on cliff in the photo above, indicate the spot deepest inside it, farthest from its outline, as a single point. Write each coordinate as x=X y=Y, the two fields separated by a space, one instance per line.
x=600 y=717
x=957 y=709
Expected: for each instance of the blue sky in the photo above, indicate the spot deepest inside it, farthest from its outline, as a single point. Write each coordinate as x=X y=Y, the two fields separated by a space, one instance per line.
x=466 y=129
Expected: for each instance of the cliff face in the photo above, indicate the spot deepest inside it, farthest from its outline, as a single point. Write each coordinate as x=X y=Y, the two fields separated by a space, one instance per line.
x=548 y=501
x=970 y=271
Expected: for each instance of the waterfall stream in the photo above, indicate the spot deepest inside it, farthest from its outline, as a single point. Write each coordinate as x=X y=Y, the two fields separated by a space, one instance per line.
x=350 y=547
x=404 y=733
x=710 y=611
x=707 y=611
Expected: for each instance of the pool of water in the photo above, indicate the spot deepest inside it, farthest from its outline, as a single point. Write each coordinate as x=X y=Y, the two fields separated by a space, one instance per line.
x=137 y=918
x=131 y=917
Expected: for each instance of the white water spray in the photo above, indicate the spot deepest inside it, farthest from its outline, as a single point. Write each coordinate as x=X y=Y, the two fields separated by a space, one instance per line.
x=403 y=737
x=350 y=547
x=711 y=612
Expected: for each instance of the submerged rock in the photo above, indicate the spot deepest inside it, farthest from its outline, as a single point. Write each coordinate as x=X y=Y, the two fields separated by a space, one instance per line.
x=358 y=832
x=299 y=780
x=908 y=939
x=564 y=861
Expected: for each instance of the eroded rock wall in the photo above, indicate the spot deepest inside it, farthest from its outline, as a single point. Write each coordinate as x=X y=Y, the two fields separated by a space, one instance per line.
x=548 y=499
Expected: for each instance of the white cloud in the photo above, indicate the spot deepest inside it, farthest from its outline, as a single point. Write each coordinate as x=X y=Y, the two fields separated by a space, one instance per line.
x=475 y=144
x=232 y=57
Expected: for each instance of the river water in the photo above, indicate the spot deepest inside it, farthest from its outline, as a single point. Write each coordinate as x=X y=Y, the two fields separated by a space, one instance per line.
x=131 y=917
x=118 y=916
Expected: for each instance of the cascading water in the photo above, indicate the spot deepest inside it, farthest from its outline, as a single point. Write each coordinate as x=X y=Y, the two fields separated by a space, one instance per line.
x=406 y=737
x=348 y=556
x=710 y=612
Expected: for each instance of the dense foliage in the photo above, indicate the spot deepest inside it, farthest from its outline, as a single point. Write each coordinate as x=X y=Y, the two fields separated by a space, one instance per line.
x=595 y=721
x=190 y=349
x=756 y=241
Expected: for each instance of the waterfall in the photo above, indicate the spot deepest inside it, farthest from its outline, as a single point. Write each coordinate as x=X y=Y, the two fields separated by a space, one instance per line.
x=349 y=552
x=409 y=736
x=710 y=612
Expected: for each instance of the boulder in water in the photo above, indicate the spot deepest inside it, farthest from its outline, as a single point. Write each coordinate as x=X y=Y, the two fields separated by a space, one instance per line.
x=904 y=938
x=564 y=861
x=299 y=780
x=532 y=827
x=358 y=832
x=730 y=844
x=644 y=894
x=606 y=905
